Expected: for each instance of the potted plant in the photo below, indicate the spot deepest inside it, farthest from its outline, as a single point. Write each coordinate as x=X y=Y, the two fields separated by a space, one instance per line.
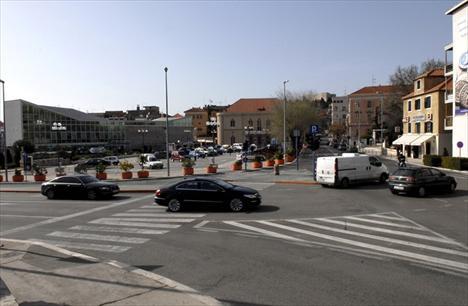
x=39 y=173
x=257 y=163
x=212 y=168
x=237 y=165
x=142 y=173
x=101 y=171
x=1 y=178
x=81 y=169
x=270 y=162
x=60 y=171
x=18 y=177
x=279 y=158
x=125 y=166
x=187 y=166
x=289 y=156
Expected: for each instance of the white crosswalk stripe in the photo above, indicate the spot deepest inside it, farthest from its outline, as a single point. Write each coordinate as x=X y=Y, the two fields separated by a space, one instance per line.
x=135 y=240
x=386 y=235
x=168 y=220
x=177 y=215
x=87 y=246
x=128 y=230
x=115 y=221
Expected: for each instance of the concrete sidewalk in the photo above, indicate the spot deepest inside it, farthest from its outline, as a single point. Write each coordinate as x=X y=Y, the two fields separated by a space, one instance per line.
x=39 y=273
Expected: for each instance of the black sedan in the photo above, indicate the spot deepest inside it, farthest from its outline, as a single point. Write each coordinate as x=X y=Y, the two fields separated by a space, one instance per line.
x=93 y=162
x=420 y=181
x=198 y=191
x=78 y=186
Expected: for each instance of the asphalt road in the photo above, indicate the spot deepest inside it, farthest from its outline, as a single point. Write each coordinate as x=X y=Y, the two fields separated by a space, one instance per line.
x=304 y=245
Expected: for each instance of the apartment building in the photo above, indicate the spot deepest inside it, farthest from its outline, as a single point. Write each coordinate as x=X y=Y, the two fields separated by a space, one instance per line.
x=339 y=110
x=200 y=116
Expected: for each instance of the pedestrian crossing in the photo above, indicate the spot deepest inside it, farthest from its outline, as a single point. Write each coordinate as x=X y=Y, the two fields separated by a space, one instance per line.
x=121 y=231
x=386 y=234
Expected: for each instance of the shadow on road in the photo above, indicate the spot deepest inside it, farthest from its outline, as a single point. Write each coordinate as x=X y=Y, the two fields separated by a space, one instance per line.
x=222 y=209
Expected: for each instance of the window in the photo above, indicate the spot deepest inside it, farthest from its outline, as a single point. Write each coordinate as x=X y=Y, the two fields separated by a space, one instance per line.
x=427 y=102
x=409 y=127
x=268 y=124
x=418 y=84
x=409 y=105
x=343 y=108
x=188 y=185
x=417 y=104
x=428 y=127
x=250 y=122
x=418 y=127
x=344 y=116
x=424 y=172
x=369 y=104
x=233 y=123
x=259 y=125
x=209 y=186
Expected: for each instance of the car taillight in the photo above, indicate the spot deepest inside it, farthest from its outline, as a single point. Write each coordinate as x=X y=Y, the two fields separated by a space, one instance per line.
x=410 y=179
x=158 y=193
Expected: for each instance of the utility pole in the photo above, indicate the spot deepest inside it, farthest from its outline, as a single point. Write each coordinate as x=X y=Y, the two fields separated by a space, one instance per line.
x=284 y=116
x=5 y=150
x=167 y=128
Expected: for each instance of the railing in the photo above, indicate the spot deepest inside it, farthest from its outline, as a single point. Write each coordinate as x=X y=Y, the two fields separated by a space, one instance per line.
x=448 y=68
x=448 y=122
x=449 y=95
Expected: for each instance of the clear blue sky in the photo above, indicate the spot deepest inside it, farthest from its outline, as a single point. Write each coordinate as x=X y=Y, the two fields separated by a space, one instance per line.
x=103 y=55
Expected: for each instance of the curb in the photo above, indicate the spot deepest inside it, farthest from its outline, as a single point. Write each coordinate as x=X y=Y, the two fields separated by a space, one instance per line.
x=297 y=182
x=422 y=165
x=6 y=298
x=203 y=299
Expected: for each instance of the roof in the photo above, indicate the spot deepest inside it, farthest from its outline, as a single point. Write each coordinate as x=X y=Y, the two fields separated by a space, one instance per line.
x=178 y=116
x=456 y=7
x=385 y=89
x=438 y=72
x=253 y=105
x=194 y=110
x=444 y=85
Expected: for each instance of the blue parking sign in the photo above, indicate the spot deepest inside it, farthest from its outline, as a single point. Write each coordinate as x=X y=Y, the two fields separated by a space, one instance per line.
x=314 y=129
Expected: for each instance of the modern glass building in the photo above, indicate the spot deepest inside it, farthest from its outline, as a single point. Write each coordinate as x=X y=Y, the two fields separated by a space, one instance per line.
x=48 y=127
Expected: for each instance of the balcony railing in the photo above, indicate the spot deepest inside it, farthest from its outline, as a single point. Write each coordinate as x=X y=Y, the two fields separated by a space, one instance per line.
x=449 y=95
x=448 y=68
x=448 y=122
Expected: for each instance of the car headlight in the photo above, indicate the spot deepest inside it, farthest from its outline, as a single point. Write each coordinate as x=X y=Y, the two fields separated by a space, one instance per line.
x=250 y=196
x=104 y=188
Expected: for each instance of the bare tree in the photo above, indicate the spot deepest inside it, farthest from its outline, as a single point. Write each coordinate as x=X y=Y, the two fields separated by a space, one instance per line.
x=431 y=64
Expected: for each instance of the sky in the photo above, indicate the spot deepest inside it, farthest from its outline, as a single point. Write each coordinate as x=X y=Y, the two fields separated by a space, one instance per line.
x=110 y=55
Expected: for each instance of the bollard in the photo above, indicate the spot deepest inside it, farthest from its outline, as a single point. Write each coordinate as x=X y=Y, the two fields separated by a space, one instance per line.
x=276 y=169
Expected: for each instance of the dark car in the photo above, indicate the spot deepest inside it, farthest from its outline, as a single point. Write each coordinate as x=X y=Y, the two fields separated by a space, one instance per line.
x=78 y=186
x=199 y=191
x=420 y=181
x=93 y=162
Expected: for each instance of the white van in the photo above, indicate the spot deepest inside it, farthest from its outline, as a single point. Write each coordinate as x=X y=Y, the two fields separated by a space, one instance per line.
x=348 y=169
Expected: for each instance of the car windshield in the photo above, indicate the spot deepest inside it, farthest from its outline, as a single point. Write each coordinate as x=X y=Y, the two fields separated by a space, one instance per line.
x=88 y=179
x=404 y=172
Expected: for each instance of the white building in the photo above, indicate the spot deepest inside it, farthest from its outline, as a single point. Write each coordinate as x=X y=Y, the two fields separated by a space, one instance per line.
x=338 y=110
x=459 y=69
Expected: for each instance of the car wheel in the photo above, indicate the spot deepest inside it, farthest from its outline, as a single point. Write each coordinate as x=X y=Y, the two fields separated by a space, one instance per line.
x=345 y=183
x=383 y=178
x=50 y=194
x=452 y=187
x=174 y=205
x=92 y=195
x=236 y=205
x=393 y=191
x=421 y=192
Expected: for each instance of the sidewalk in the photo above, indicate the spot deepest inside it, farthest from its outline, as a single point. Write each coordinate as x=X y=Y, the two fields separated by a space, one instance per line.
x=419 y=162
x=39 y=273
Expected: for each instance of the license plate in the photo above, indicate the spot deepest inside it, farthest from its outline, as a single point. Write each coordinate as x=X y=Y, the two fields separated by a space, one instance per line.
x=399 y=188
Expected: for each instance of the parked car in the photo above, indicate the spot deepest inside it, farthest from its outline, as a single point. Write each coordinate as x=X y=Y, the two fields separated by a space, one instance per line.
x=97 y=150
x=78 y=186
x=207 y=191
x=237 y=147
x=93 y=162
x=348 y=169
x=342 y=147
x=114 y=160
x=420 y=181
x=151 y=162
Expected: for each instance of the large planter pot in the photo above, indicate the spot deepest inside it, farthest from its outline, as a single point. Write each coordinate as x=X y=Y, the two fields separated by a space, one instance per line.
x=268 y=163
x=101 y=176
x=236 y=167
x=1 y=178
x=187 y=171
x=39 y=177
x=127 y=175
x=18 y=178
x=143 y=174
x=279 y=161
x=289 y=158
x=256 y=165
x=211 y=169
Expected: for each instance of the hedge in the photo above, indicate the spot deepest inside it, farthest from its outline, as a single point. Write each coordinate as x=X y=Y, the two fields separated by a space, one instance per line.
x=455 y=163
x=432 y=160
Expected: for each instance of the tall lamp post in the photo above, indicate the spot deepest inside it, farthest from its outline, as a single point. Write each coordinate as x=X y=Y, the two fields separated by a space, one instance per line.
x=58 y=127
x=143 y=132
x=167 y=126
x=284 y=116
x=212 y=125
x=5 y=151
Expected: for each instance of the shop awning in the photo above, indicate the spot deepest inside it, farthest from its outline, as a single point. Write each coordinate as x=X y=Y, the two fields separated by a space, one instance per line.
x=406 y=139
x=421 y=139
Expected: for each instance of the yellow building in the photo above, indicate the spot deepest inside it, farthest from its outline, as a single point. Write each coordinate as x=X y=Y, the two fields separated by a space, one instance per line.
x=424 y=117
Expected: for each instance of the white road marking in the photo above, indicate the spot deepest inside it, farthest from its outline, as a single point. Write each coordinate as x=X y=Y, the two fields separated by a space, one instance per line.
x=170 y=220
x=71 y=216
x=421 y=257
x=178 y=215
x=129 y=230
x=153 y=206
x=134 y=240
x=384 y=216
x=108 y=221
x=383 y=230
x=382 y=223
x=440 y=200
x=26 y=216
x=201 y=224
x=419 y=209
x=87 y=246
x=265 y=232
x=391 y=240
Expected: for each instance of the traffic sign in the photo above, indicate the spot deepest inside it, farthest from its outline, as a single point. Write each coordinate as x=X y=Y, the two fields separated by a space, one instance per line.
x=314 y=129
x=459 y=144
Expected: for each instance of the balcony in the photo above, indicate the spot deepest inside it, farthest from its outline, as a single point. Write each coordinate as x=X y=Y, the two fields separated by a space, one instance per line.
x=448 y=69
x=448 y=122
x=449 y=96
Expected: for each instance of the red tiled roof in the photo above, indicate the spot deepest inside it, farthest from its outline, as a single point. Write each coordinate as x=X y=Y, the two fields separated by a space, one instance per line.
x=376 y=89
x=177 y=116
x=444 y=85
x=253 y=105
x=438 y=72
x=195 y=110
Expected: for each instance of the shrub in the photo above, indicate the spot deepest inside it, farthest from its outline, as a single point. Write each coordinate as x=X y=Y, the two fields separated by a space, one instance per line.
x=455 y=163
x=100 y=168
x=18 y=171
x=290 y=151
x=258 y=158
x=60 y=170
x=39 y=170
x=125 y=166
x=81 y=169
x=432 y=160
x=187 y=163
x=278 y=155
x=238 y=162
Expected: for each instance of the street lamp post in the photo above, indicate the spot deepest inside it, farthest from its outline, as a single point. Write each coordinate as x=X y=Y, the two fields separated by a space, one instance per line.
x=284 y=116
x=212 y=125
x=167 y=126
x=143 y=132
x=58 y=127
x=381 y=122
x=247 y=130
x=5 y=151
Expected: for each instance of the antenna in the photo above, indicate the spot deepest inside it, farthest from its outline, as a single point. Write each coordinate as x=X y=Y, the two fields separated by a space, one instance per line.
x=373 y=80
